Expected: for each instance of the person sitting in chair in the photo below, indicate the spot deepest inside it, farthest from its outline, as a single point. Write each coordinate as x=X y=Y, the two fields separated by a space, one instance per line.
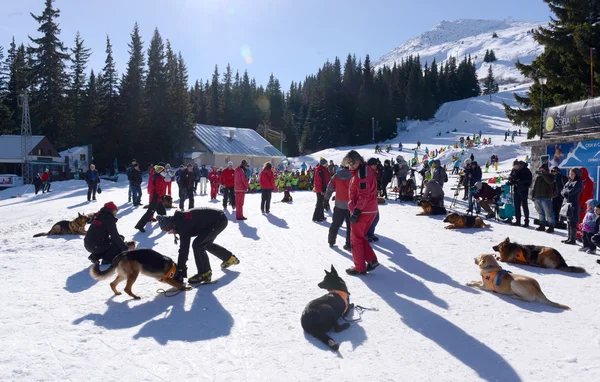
x=485 y=196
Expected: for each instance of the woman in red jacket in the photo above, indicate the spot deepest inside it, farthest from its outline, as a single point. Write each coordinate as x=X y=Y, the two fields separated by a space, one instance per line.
x=363 y=207
x=213 y=178
x=321 y=181
x=241 y=187
x=228 y=181
x=587 y=193
x=267 y=184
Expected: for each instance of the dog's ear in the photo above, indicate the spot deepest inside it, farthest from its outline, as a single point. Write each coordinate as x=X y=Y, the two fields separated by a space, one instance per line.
x=327 y=273
x=333 y=271
x=79 y=215
x=507 y=240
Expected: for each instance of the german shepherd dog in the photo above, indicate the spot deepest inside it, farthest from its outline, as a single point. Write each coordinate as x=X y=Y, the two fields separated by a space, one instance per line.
x=322 y=314
x=534 y=255
x=167 y=202
x=73 y=227
x=463 y=221
x=519 y=287
x=430 y=209
x=130 y=264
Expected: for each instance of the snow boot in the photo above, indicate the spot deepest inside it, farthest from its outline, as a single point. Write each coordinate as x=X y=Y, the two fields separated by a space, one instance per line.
x=372 y=265
x=232 y=261
x=526 y=223
x=353 y=272
x=550 y=229
x=201 y=278
x=516 y=223
x=347 y=247
x=541 y=228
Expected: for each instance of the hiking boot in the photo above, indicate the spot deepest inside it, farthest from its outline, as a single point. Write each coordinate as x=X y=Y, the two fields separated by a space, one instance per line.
x=204 y=278
x=541 y=228
x=332 y=245
x=93 y=258
x=372 y=265
x=374 y=238
x=570 y=242
x=516 y=223
x=353 y=272
x=526 y=223
x=347 y=247
x=141 y=229
x=550 y=230
x=591 y=251
x=583 y=249
x=242 y=218
x=232 y=261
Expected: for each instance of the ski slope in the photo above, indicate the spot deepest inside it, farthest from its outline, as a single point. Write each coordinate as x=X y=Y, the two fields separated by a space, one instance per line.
x=57 y=323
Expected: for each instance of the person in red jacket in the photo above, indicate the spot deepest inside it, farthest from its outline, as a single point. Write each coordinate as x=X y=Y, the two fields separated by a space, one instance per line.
x=228 y=182
x=321 y=181
x=46 y=181
x=213 y=178
x=340 y=182
x=267 y=184
x=587 y=193
x=150 y=187
x=241 y=187
x=156 y=203
x=362 y=194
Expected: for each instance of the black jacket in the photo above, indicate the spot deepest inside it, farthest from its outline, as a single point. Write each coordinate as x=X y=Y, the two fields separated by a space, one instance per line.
x=203 y=172
x=571 y=193
x=475 y=176
x=387 y=174
x=192 y=223
x=103 y=233
x=186 y=180
x=135 y=177
x=88 y=176
x=521 y=179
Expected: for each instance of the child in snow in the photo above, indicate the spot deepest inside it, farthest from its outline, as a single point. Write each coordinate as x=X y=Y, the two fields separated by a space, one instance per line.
x=589 y=226
x=487 y=166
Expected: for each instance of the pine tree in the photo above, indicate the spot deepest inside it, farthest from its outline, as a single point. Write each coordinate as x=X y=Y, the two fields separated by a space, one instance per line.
x=105 y=135
x=486 y=58
x=227 y=104
x=133 y=119
x=214 y=116
x=490 y=86
x=5 y=113
x=48 y=104
x=248 y=112
x=79 y=58
x=18 y=80
x=90 y=109
x=565 y=61
x=180 y=116
x=492 y=57
x=155 y=95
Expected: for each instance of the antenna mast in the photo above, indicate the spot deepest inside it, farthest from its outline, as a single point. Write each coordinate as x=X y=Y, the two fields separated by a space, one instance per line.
x=26 y=170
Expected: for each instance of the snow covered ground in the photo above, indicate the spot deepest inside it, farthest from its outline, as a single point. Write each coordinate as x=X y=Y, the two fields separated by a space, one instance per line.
x=57 y=323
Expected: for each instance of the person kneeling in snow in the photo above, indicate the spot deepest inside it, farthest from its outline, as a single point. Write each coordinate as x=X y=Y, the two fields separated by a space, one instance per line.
x=102 y=239
x=205 y=224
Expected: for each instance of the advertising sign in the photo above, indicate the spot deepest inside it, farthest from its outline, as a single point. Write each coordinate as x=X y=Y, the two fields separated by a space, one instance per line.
x=577 y=154
x=573 y=118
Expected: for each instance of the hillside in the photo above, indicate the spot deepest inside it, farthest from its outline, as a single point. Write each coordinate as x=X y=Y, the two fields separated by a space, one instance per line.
x=463 y=37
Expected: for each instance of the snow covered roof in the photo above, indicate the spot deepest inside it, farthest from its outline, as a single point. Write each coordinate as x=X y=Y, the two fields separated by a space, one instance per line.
x=10 y=145
x=73 y=151
x=234 y=140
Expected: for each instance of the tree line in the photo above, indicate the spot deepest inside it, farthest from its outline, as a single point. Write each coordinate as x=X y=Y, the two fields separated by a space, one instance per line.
x=149 y=111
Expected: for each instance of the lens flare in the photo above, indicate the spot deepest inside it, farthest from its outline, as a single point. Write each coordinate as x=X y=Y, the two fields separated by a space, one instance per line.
x=246 y=53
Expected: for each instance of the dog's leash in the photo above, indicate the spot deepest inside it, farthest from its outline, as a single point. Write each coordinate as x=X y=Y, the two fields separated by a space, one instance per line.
x=360 y=310
x=174 y=293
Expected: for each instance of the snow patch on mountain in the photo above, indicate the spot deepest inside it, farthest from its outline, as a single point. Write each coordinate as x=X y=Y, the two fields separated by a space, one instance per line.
x=473 y=37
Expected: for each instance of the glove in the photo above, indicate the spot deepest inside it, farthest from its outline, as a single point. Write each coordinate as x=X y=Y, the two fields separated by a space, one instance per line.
x=355 y=216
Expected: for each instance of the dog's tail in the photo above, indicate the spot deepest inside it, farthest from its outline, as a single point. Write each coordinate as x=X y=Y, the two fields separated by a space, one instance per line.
x=327 y=340
x=98 y=274
x=541 y=297
x=567 y=268
x=41 y=234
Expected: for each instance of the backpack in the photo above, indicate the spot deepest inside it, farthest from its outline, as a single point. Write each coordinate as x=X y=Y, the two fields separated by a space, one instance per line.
x=445 y=176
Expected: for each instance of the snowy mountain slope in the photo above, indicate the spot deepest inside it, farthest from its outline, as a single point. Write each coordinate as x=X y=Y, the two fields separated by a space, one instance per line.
x=468 y=117
x=59 y=324
x=463 y=37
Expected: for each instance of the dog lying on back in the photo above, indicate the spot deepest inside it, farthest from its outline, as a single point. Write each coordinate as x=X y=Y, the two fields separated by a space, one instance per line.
x=520 y=287
x=463 y=221
x=534 y=255
x=130 y=264
x=73 y=227
x=321 y=315
x=430 y=209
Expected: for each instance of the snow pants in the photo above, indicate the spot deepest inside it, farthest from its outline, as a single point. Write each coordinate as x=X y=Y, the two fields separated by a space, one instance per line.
x=214 y=190
x=265 y=200
x=229 y=194
x=339 y=216
x=155 y=206
x=203 y=183
x=362 y=252
x=318 y=215
x=168 y=187
x=239 y=204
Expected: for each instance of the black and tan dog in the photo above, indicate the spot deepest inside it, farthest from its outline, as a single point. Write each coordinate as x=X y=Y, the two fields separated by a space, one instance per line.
x=430 y=209
x=534 y=255
x=167 y=202
x=73 y=227
x=321 y=315
x=520 y=287
x=130 y=264
x=463 y=221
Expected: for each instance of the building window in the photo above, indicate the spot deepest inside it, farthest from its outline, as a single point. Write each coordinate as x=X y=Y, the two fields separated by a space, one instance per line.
x=39 y=152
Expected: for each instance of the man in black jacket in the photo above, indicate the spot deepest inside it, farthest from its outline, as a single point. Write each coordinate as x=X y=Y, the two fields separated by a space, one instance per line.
x=92 y=178
x=135 y=184
x=520 y=178
x=474 y=176
x=128 y=172
x=186 y=187
x=102 y=239
x=205 y=224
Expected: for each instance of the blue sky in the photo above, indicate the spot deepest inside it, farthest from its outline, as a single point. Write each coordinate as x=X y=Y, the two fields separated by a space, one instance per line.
x=291 y=38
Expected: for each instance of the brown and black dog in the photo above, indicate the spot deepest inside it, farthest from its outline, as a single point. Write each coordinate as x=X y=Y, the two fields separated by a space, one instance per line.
x=167 y=202
x=520 y=287
x=130 y=264
x=534 y=255
x=430 y=209
x=463 y=221
x=73 y=227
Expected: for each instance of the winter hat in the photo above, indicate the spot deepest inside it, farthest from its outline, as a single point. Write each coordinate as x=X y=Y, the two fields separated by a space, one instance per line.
x=323 y=161
x=230 y=163
x=133 y=160
x=190 y=165
x=244 y=163
x=181 y=166
x=168 y=166
x=111 y=206
x=399 y=158
x=591 y=203
x=372 y=162
x=577 y=171
x=164 y=222
x=161 y=164
x=158 y=169
x=467 y=162
x=474 y=163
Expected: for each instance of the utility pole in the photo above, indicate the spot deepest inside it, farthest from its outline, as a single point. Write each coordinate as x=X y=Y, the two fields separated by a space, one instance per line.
x=542 y=81
x=592 y=69
x=373 y=129
x=26 y=170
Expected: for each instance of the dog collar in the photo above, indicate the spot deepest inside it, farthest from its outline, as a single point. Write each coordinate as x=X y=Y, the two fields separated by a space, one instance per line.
x=344 y=295
x=492 y=279
x=170 y=273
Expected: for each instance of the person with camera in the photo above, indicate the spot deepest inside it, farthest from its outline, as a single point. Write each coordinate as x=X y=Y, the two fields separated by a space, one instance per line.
x=474 y=176
x=543 y=191
x=520 y=178
x=485 y=197
x=464 y=179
